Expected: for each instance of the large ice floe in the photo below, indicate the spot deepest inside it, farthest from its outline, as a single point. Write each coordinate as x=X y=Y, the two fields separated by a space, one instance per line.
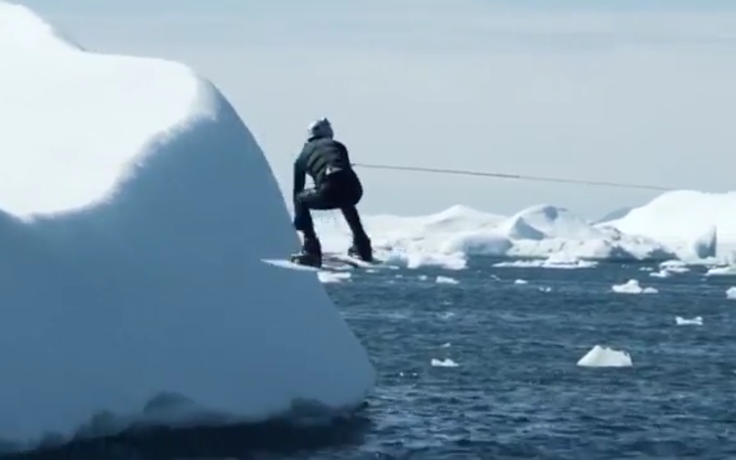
x=135 y=211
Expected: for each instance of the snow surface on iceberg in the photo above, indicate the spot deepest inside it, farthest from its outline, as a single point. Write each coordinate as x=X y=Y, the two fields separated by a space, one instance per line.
x=135 y=209
x=693 y=224
x=536 y=232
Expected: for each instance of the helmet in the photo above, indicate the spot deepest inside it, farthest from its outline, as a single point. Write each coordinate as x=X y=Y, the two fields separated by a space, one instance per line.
x=320 y=128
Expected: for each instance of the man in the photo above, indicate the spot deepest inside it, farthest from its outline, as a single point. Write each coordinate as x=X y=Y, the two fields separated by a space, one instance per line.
x=336 y=186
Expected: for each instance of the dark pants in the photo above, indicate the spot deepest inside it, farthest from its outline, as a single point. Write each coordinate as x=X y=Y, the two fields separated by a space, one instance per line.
x=341 y=190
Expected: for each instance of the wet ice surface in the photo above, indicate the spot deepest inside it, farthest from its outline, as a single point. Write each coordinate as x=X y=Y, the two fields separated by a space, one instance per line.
x=516 y=391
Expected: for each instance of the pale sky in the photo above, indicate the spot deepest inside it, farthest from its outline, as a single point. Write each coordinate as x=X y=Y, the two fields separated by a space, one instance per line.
x=614 y=93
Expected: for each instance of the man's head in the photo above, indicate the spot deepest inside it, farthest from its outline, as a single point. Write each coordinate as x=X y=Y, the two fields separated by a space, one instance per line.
x=320 y=128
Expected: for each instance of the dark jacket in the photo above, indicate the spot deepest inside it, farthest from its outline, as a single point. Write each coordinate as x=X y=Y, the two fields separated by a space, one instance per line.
x=316 y=157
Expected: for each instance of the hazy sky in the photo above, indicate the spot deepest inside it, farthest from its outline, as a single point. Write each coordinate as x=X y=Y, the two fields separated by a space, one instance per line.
x=613 y=93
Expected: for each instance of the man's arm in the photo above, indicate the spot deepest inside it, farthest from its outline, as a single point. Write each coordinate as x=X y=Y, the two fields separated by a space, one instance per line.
x=299 y=174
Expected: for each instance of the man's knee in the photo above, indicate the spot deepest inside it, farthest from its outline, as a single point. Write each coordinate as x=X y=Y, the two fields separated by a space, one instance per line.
x=311 y=199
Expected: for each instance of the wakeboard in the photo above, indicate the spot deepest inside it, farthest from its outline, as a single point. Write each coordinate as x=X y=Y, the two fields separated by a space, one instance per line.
x=331 y=261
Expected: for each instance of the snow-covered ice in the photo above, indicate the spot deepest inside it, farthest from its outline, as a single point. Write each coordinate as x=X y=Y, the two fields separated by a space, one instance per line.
x=689 y=226
x=136 y=209
x=693 y=224
x=449 y=237
x=600 y=356
x=633 y=287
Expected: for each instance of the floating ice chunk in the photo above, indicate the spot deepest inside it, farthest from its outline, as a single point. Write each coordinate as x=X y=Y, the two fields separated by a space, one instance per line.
x=731 y=293
x=661 y=274
x=563 y=260
x=697 y=321
x=446 y=280
x=414 y=260
x=332 y=277
x=674 y=266
x=728 y=270
x=520 y=281
x=447 y=362
x=633 y=287
x=559 y=260
x=600 y=356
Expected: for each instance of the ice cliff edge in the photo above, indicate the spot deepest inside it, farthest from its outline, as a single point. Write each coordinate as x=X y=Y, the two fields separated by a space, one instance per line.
x=136 y=207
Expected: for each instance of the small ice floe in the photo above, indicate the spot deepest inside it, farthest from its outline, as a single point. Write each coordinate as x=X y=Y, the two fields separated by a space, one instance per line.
x=445 y=345
x=633 y=287
x=447 y=362
x=332 y=277
x=562 y=260
x=674 y=266
x=646 y=269
x=545 y=289
x=559 y=260
x=423 y=277
x=600 y=356
x=664 y=273
x=447 y=315
x=446 y=280
x=728 y=270
x=731 y=293
x=520 y=281
x=454 y=261
x=697 y=321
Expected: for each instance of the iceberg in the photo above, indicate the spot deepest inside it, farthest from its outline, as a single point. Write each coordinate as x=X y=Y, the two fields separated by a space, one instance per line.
x=687 y=226
x=135 y=210
x=448 y=238
x=693 y=224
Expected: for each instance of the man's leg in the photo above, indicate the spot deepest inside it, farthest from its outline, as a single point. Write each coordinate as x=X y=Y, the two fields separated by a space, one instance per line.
x=311 y=248
x=361 y=247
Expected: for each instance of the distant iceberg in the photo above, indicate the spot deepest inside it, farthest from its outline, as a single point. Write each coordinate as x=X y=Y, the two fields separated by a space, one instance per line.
x=695 y=227
x=692 y=224
x=540 y=232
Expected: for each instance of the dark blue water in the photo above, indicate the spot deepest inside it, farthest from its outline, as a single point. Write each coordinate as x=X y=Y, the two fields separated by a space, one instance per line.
x=516 y=391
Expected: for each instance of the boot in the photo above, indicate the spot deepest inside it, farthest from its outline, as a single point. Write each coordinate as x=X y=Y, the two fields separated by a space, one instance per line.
x=307 y=259
x=311 y=253
x=361 y=249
